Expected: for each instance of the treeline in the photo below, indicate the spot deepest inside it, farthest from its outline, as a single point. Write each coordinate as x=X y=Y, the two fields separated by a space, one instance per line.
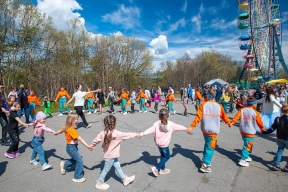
x=206 y=66
x=34 y=53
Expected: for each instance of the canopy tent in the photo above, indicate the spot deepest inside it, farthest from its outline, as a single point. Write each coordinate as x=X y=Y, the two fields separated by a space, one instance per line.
x=216 y=82
x=280 y=81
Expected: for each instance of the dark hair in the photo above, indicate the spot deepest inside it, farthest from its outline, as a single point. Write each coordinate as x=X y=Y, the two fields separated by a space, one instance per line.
x=250 y=99
x=110 y=123
x=77 y=87
x=163 y=116
x=269 y=91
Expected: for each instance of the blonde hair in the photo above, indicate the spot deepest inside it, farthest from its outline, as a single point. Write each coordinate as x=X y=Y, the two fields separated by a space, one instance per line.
x=284 y=108
x=110 y=124
x=163 y=116
x=70 y=120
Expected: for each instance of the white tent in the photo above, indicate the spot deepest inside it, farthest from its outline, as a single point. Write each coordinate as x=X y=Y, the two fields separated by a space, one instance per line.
x=216 y=81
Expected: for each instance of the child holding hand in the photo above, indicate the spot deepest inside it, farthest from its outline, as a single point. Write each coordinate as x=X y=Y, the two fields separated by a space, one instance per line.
x=162 y=131
x=111 y=139
x=72 y=138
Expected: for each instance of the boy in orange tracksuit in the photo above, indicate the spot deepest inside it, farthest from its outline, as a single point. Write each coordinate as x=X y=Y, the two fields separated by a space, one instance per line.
x=198 y=98
x=62 y=96
x=123 y=98
x=170 y=99
x=250 y=119
x=33 y=101
x=90 y=101
x=141 y=98
x=209 y=114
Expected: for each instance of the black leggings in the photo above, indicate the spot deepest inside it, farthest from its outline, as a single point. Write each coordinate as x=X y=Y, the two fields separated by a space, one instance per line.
x=15 y=142
x=81 y=114
x=4 y=124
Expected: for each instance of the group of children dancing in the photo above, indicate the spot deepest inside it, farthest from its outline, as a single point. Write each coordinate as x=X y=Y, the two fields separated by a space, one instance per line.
x=209 y=114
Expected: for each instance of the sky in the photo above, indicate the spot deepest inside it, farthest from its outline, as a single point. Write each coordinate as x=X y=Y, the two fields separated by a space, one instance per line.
x=169 y=28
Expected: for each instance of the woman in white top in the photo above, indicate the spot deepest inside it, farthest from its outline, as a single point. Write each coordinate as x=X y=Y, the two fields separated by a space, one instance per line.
x=270 y=109
x=79 y=97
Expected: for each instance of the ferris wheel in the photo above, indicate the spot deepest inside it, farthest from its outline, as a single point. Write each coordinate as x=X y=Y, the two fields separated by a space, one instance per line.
x=259 y=24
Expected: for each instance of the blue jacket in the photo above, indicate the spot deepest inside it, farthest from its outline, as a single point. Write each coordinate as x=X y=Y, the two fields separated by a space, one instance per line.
x=190 y=90
x=218 y=93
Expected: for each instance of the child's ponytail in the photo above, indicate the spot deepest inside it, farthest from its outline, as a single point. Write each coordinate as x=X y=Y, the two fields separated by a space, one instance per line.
x=110 y=123
x=163 y=116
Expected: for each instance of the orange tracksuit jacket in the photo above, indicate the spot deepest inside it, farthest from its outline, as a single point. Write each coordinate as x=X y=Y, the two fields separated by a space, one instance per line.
x=34 y=99
x=170 y=98
x=61 y=94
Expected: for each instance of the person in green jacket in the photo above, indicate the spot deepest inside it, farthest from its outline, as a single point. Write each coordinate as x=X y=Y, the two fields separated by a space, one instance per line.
x=47 y=106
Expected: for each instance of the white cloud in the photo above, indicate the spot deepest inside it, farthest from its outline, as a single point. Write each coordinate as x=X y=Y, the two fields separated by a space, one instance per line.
x=127 y=17
x=61 y=11
x=184 y=7
x=212 y=10
x=284 y=16
x=222 y=24
x=159 y=45
x=118 y=33
x=197 y=19
x=175 y=26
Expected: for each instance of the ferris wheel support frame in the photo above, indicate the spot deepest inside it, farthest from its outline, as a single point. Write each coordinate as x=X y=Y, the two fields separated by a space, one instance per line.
x=279 y=51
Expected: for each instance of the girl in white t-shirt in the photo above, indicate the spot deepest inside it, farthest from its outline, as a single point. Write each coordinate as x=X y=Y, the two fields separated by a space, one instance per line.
x=79 y=97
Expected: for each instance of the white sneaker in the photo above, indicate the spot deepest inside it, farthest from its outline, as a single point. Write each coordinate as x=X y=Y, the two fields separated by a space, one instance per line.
x=63 y=171
x=79 y=180
x=125 y=113
x=156 y=112
x=243 y=163
x=89 y=113
x=121 y=112
x=83 y=111
x=34 y=162
x=165 y=171
x=154 y=171
x=128 y=180
x=174 y=112
x=61 y=114
x=46 y=166
x=140 y=111
x=205 y=168
x=95 y=111
x=102 y=186
x=249 y=159
x=88 y=126
x=113 y=112
x=144 y=111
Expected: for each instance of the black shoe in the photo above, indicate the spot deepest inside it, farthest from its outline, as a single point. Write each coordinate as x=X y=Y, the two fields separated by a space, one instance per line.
x=5 y=143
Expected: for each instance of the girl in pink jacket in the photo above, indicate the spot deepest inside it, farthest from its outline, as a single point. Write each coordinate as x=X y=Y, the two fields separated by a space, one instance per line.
x=111 y=139
x=162 y=131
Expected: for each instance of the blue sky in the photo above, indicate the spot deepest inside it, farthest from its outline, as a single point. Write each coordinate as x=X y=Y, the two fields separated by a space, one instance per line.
x=170 y=28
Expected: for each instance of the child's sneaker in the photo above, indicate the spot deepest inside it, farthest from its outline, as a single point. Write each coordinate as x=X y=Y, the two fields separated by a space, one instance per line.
x=102 y=186
x=89 y=112
x=174 y=112
x=61 y=114
x=9 y=155
x=144 y=111
x=249 y=159
x=155 y=171
x=17 y=154
x=243 y=163
x=63 y=171
x=156 y=112
x=128 y=180
x=205 y=168
x=79 y=180
x=95 y=111
x=140 y=111
x=46 y=166
x=88 y=126
x=125 y=113
x=34 y=162
x=113 y=112
x=285 y=169
x=276 y=168
x=165 y=171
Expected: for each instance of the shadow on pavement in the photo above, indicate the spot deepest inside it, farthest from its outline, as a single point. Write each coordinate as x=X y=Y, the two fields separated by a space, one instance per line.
x=3 y=166
x=188 y=153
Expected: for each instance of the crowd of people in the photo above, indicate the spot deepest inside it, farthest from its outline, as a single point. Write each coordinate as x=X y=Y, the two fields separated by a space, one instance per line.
x=210 y=102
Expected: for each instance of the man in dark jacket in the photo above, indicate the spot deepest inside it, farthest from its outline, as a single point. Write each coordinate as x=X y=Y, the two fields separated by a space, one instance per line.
x=4 y=110
x=22 y=99
x=258 y=95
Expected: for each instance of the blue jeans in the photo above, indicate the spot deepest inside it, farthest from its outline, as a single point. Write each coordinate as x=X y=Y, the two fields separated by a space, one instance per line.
x=281 y=147
x=247 y=147
x=72 y=150
x=27 y=113
x=165 y=156
x=107 y=166
x=38 y=149
x=209 y=148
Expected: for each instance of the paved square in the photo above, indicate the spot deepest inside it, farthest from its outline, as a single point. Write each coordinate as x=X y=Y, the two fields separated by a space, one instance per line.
x=137 y=156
